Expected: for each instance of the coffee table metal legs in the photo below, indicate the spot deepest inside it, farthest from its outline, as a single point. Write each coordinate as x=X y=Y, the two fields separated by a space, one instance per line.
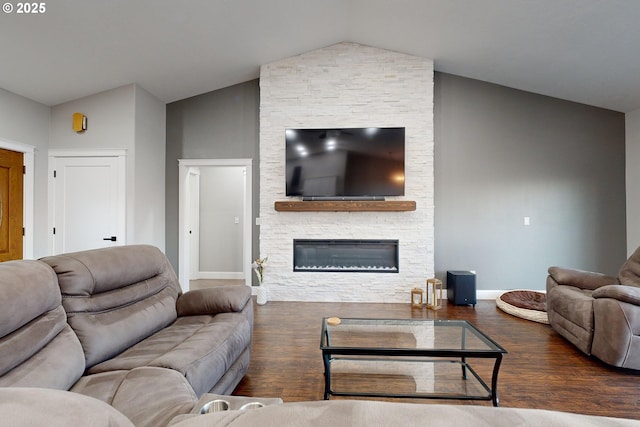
x=327 y=375
x=493 y=390
x=494 y=381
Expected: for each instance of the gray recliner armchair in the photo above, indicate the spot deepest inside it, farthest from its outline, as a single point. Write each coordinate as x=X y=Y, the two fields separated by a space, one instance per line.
x=597 y=313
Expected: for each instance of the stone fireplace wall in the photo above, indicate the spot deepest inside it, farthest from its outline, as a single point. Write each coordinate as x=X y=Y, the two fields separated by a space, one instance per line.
x=347 y=85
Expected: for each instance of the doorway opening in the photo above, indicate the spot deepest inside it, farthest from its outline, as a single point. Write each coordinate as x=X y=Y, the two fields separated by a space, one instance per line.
x=215 y=214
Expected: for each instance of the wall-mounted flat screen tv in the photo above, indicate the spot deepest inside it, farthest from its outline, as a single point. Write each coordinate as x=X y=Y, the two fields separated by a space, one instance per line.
x=345 y=163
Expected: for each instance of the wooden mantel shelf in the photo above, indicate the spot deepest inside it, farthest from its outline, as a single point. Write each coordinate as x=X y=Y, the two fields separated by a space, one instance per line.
x=346 y=206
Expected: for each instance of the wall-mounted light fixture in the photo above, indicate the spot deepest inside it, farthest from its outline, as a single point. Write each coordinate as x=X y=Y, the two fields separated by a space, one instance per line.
x=79 y=122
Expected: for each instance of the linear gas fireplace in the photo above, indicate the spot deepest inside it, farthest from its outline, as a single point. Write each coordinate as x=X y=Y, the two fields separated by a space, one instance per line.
x=369 y=256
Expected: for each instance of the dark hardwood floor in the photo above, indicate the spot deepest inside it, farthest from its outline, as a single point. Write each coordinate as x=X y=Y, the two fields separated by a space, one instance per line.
x=541 y=370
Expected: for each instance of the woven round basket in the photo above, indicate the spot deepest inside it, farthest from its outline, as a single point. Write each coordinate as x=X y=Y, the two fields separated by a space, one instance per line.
x=526 y=304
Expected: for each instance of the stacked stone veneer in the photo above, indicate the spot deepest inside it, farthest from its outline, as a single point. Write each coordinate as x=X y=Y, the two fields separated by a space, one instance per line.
x=347 y=85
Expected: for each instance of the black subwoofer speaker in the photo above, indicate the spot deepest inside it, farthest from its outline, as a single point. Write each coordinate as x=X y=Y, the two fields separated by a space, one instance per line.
x=461 y=287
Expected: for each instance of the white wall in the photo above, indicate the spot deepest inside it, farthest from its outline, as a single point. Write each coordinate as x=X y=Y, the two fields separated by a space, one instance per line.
x=27 y=122
x=131 y=119
x=347 y=85
x=110 y=121
x=632 y=158
x=148 y=196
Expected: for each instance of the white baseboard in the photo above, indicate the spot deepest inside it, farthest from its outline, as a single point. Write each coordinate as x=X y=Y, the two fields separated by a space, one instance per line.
x=480 y=295
x=495 y=294
x=213 y=275
x=484 y=295
x=488 y=294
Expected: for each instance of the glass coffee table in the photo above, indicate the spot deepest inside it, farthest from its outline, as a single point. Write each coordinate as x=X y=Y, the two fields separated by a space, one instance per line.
x=409 y=358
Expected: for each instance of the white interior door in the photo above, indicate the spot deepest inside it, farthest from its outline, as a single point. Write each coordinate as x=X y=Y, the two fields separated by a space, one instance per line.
x=88 y=206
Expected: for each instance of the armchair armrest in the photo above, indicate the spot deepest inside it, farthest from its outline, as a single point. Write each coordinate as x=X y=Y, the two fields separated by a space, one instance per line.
x=629 y=294
x=580 y=278
x=219 y=299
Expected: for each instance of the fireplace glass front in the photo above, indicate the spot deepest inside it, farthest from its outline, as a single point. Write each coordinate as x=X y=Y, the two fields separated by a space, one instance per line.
x=370 y=256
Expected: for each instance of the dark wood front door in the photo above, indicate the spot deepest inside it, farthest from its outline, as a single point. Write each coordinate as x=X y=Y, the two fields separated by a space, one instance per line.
x=11 y=197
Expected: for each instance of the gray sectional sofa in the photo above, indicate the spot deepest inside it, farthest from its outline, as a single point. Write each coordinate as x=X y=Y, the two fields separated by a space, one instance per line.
x=55 y=408
x=106 y=338
x=114 y=325
x=599 y=314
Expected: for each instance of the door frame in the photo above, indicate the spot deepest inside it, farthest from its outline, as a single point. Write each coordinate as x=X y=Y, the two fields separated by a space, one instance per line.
x=122 y=188
x=193 y=210
x=184 y=166
x=28 y=192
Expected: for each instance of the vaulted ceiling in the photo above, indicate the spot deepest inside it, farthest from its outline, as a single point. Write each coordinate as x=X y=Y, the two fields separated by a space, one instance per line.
x=586 y=51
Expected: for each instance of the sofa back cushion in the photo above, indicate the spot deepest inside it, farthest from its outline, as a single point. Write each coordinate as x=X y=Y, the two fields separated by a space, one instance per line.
x=37 y=347
x=629 y=273
x=116 y=297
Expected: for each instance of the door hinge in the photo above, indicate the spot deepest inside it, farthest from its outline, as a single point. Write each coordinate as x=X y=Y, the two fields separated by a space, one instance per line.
x=54 y=230
x=24 y=170
x=22 y=231
x=54 y=174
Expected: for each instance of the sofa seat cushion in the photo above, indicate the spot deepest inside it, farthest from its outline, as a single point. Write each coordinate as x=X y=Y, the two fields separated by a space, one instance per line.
x=147 y=396
x=570 y=311
x=29 y=406
x=202 y=348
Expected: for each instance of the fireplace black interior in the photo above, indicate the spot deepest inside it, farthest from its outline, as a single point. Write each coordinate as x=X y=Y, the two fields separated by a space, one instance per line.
x=370 y=256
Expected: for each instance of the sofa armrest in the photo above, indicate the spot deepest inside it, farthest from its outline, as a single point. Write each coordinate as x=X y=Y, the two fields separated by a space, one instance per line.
x=580 y=278
x=32 y=406
x=219 y=299
x=629 y=294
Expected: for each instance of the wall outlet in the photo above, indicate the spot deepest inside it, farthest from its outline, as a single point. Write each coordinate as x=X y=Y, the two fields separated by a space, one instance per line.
x=527 y=220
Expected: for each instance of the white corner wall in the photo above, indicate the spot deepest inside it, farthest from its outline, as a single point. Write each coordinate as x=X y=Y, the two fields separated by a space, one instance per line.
x=110 y=121
x=131 y=119
x=149 y=154
x=632 y=179
x=347 y=85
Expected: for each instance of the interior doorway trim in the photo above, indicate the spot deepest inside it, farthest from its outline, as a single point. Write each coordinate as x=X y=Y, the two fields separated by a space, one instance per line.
x=28 y=193
x=185 y=168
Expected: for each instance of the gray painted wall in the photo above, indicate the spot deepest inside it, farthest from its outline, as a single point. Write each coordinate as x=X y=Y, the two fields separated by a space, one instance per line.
x=149 y=170
x=500 y=155
x=503 y=154
x=220 y=235
x=27 y=122
x=223 y=124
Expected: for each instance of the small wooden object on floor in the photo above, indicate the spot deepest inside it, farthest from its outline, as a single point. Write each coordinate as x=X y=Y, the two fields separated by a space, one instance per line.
x=416 y=297
x=434 y=294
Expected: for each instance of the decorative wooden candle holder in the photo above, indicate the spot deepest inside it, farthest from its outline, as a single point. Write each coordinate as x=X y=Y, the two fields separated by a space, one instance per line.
x=416 y=297
x=434 y=294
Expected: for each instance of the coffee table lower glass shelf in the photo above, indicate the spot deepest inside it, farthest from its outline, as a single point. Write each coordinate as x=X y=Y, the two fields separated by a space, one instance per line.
x=407 y=358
